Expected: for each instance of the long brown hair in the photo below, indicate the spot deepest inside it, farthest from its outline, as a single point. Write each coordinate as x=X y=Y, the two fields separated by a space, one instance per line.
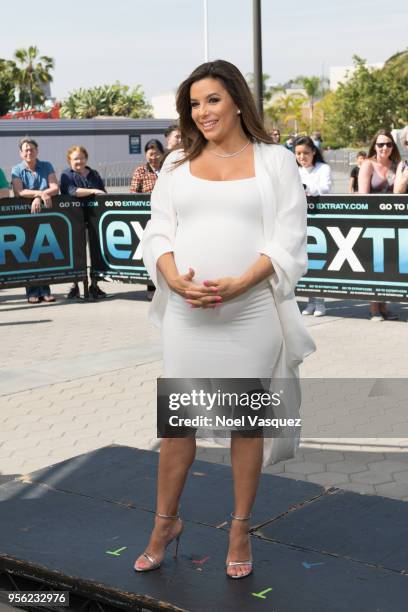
x=193 y=141
x=372 y=153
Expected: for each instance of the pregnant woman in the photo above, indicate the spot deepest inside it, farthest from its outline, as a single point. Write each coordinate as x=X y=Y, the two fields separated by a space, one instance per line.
x=225 y=247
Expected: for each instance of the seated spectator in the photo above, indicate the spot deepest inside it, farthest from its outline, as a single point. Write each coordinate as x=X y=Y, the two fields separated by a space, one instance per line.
x=36 y=180
x=4 y=186
x=81 y=181
x=353 y=184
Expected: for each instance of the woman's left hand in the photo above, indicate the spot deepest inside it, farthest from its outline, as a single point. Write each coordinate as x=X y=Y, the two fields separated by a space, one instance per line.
x=224 y=289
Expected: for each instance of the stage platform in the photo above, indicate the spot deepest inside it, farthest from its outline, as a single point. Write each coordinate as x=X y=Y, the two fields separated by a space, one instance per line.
x=78 y=526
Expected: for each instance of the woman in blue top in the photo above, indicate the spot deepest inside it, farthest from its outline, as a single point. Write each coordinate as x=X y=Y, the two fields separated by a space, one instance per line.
x=36 y=180
x=80 y=181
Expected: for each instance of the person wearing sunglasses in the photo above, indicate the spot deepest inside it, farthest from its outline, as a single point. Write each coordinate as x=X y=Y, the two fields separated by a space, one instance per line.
x=377 y=175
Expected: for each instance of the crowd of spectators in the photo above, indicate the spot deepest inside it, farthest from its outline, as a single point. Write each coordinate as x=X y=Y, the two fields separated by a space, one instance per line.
x=380 y=170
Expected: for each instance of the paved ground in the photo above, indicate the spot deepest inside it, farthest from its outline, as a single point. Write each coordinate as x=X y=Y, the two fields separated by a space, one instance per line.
x=78 y=376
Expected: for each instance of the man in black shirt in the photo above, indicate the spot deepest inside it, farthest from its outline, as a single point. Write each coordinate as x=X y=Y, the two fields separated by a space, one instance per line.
x=353 y=184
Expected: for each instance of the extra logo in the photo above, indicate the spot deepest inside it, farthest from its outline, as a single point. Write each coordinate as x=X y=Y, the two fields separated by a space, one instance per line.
x=362 y=248
x=120 y=235
x=34 y=243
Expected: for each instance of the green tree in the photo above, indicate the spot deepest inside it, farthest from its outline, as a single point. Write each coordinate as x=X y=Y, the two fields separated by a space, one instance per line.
x=31 y=72
x=7 y=88
x=267 y=91
x=398 y=63
x=315 y=88
x=115 y=100
x=368 y=100
x=287 y=112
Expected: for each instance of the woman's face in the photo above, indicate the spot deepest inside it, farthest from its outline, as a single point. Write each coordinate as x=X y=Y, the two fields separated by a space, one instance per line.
x=304 y=155
x=213 y=110
x=77 y=161
x=153 y=157
x=383 y=147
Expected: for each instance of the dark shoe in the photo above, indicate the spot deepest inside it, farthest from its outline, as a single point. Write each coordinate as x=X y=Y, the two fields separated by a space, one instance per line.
x=96 y=293
x=100 y=293
x=390 y=316
x=48 y=298
x=73 y=293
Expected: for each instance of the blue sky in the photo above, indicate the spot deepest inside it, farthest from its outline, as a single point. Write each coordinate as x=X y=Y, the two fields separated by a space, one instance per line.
x=157 y=43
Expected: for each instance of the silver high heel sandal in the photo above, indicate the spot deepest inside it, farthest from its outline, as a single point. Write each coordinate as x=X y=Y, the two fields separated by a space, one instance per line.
x=235 y=563
x=154 y=564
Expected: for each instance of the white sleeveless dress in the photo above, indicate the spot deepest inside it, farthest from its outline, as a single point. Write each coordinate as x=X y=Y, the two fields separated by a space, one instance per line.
x=219 y=233
x=219 y=228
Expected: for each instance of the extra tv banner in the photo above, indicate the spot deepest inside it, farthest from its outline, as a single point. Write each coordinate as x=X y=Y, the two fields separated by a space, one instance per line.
x=116 y=224
x=357 y=247
x=47 y=246
x=357 y=244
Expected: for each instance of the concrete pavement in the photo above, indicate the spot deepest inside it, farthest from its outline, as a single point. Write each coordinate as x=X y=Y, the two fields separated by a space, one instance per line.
x=77 y=376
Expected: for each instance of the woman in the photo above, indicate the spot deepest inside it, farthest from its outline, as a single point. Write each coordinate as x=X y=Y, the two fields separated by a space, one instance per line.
x=36 y=180
x=377 y=175
x=225 y=247
x=316 y=178
x=80 y=181
x=145 y=177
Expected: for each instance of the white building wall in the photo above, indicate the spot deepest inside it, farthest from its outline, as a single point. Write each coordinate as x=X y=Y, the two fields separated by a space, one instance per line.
x=102 y=149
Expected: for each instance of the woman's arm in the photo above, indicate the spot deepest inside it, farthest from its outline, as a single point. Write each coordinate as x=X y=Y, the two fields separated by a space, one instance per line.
x=136 y=182
x=82 y=192
x=401 y=180
x=324 y=179
x=364 y=177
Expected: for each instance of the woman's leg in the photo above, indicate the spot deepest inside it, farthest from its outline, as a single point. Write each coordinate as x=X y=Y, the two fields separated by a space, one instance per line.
x=176 y=457
x=246 y=459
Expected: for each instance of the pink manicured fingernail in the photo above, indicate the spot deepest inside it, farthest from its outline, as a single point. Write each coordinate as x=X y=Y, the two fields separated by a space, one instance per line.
x=218 y=298
x=205 y=283
x=214 y=288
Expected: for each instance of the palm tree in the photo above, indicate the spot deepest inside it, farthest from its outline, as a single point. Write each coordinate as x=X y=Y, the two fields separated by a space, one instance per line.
x=106 y=100
x=31 y=73
x=315 y=88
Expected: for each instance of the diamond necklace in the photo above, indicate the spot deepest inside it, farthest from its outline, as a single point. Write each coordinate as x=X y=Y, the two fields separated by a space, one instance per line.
x=231 y=154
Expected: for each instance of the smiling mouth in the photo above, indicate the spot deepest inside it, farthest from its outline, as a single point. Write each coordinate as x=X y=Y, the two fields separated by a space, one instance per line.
x=208 y=125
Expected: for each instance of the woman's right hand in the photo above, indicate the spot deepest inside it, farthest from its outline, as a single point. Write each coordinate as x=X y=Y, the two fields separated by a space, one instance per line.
x=199 y=296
